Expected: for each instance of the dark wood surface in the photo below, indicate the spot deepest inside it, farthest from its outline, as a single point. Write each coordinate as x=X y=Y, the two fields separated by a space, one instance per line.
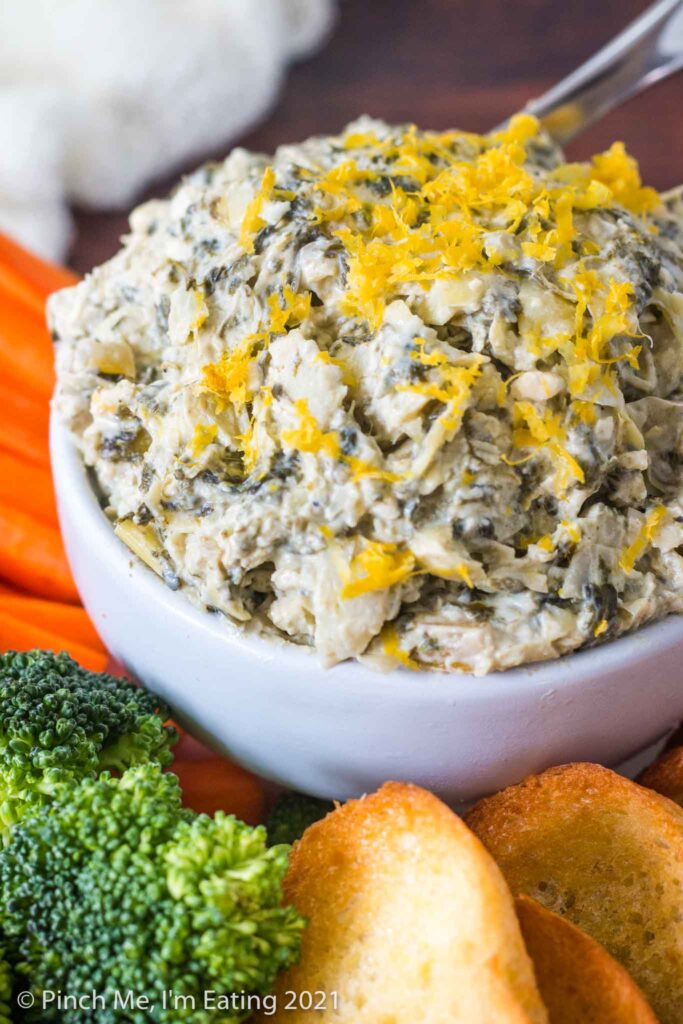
x=446 y=63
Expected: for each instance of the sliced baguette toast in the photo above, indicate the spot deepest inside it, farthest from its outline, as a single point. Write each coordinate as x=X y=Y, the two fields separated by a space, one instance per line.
x=607 y=854
x=666 y=775
x=409 y=920
x=578 y=979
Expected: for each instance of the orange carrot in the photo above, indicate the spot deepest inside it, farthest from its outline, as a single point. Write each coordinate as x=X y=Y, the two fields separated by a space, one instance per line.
x=61 y=619
x=16 y=635
x=27 y=487
x=17 y=440
x=23 y=423
x=14 y=284
x=116 y=668
x=214 y=784
x=32 y=557
x=189 y=748
x=46 y=277
x=7 y=590
x=26 y=353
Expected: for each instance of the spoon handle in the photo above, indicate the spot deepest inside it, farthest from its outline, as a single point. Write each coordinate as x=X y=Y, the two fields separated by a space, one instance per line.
x=649 y=49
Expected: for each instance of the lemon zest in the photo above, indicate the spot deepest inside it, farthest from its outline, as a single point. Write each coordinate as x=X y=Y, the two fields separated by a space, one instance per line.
x=204 y=435
x=643 y=539
x=308 y=437
x=252 y=220
x=391 y=645
x=288 y=310
x=378 y=566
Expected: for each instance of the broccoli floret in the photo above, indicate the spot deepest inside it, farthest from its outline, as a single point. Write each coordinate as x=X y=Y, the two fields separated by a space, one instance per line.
x=6 y=985
x=117 y=887
x=60 y=723
x=291 y=815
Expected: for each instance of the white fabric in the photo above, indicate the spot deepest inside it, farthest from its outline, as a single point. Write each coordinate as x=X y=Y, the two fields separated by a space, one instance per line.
x=97 y=97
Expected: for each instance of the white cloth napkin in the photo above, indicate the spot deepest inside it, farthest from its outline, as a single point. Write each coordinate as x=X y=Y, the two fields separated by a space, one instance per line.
x=97 y=97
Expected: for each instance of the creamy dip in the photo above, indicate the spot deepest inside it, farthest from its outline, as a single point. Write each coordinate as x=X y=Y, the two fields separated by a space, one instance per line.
x=408 y=397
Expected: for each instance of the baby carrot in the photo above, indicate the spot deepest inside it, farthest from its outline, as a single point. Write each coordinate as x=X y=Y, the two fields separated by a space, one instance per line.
x=16 y=635
x=46 y=277
x=14 y=284
x=27 y=487
x=215 y=784
x=65 y=620
x=23 y=423
x=32 y=557
x=25 y=348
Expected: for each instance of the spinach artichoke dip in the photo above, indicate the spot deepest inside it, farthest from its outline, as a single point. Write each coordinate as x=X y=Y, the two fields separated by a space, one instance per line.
x=407 y=397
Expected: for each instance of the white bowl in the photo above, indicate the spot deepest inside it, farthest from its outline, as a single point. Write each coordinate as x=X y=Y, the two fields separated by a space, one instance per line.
x=343 y=731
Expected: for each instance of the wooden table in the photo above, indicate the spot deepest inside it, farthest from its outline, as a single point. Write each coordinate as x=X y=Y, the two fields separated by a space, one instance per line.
x=447 y=63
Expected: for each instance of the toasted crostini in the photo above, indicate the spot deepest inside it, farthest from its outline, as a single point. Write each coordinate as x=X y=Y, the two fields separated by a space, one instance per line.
x=577 y=978
x=607 y=854
x=409 y=920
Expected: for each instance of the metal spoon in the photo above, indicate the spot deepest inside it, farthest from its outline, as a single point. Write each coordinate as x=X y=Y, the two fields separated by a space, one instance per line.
x=651 y=48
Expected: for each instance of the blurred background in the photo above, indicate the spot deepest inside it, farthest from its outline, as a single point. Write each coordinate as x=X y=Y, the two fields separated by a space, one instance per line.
x=442 y=63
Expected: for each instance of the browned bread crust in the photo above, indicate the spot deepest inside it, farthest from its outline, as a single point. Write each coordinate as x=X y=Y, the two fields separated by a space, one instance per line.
x=666 y=775
x=607 y=854
x=409 y=919
x=577 y=978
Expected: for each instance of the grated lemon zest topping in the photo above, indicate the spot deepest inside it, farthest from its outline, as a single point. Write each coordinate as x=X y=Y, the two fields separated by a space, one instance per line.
x=619 y=172
x=308 y=437
x=204 y=435
x=643 y=539
x=228 y=379
x=453 y=388
x=544 y=431
x=427 y=217
x=391 y=645
x=348 y=377
x=252 y=220
x=288 y=310
x=377 y=567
